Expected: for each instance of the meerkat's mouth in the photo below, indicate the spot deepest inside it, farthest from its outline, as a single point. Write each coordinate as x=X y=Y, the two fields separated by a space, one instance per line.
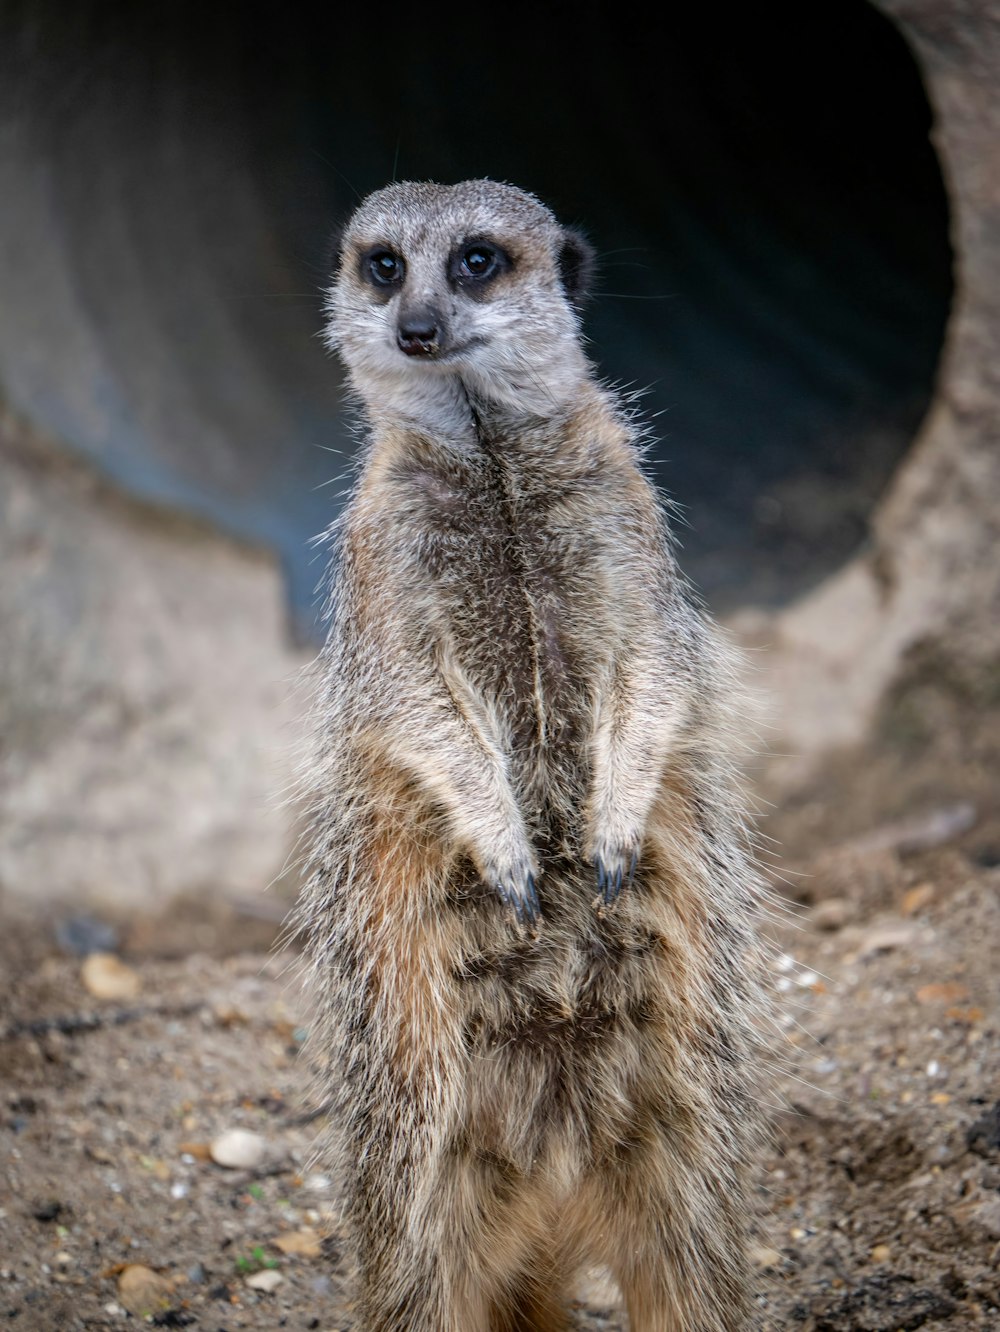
x=447 y=355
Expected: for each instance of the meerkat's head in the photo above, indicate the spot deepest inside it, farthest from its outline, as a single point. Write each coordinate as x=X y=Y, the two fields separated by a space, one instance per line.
x=441 y=288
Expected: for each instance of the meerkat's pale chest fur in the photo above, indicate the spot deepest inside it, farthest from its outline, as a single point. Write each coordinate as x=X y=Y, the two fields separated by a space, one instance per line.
x=530 y=911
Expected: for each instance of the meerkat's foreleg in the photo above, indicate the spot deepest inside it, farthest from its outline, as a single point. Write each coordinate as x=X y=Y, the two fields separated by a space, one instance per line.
x=470 y=782
x=464 y=771
x=636 y=726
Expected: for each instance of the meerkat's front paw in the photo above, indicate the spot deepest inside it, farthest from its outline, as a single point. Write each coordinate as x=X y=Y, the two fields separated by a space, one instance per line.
x=615 y=868
x=516 y=888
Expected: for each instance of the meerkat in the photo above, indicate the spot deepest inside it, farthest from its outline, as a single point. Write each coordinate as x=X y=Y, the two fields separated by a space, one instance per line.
x=531 y=901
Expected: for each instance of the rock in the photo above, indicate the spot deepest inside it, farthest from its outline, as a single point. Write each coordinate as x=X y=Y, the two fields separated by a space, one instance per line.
x=915 y=899
x=927 y=584
x=107 y=977
x=946 y=992
x=267 y=1281
x=919 y=833
x=885 y=938
x=238 y=1149
x=305 y=1243
x=198 y=1151
x=967 y=1016
x=761 y=1256
x=880 y=1254
x=122 y=629
x=983 y=1137
x=143 y=1292
x=833 y=914
x=985 y=1217
x=81 y=935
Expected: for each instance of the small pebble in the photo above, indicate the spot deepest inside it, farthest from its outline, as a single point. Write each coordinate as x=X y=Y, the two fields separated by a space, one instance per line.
x=886 y=938
x=949 y=992
x=195 y=1151
x=267 y=1281
x=761 y=1256
x=986 y=1217
x=107 y=977
x=305 y=1243
x=881 y=1253
x=238 y=1149
x=142 y=1291
x=917 y=898
x=833 y=914
x=85 y=934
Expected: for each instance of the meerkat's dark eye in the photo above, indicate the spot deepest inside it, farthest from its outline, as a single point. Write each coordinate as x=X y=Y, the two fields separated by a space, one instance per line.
x=475 y=263
x=385 y=268
x=479 y=261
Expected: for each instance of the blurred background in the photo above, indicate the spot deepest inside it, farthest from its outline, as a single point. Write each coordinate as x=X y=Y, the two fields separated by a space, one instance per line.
x=776 y=233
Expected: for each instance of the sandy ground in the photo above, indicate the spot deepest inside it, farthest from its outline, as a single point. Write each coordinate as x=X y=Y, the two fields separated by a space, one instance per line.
x=878 y=1203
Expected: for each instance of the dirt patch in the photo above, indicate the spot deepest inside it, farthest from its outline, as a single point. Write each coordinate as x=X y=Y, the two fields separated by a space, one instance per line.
x=878 y=1204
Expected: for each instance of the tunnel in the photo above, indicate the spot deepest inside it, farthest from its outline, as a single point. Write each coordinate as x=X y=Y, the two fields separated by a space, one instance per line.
x=771 y=221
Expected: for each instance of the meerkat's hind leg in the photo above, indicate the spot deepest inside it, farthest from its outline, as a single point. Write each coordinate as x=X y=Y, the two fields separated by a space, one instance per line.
x=394 y=1305
x=532 y=1295
x=531 y=1308
x=673 y=1284
x=678 y=1253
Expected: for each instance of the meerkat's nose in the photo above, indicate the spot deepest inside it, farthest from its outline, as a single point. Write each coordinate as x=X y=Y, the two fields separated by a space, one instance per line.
x=419 y=332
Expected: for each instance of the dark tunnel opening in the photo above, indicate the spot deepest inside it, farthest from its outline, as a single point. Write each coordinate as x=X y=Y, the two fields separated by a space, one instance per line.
x=771 y=217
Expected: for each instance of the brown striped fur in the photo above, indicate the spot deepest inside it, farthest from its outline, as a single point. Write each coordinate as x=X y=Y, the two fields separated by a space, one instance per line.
x=517 y=691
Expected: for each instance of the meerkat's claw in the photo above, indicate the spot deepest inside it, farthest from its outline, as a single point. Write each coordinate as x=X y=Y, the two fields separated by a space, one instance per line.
x=614 y=872
x=523 y=901
x=532 y=898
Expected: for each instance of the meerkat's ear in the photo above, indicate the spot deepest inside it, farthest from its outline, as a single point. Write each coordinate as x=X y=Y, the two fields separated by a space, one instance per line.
x=576 y=264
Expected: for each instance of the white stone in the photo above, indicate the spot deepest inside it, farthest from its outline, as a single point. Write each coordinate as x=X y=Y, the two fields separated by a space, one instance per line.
x=238 y=1149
